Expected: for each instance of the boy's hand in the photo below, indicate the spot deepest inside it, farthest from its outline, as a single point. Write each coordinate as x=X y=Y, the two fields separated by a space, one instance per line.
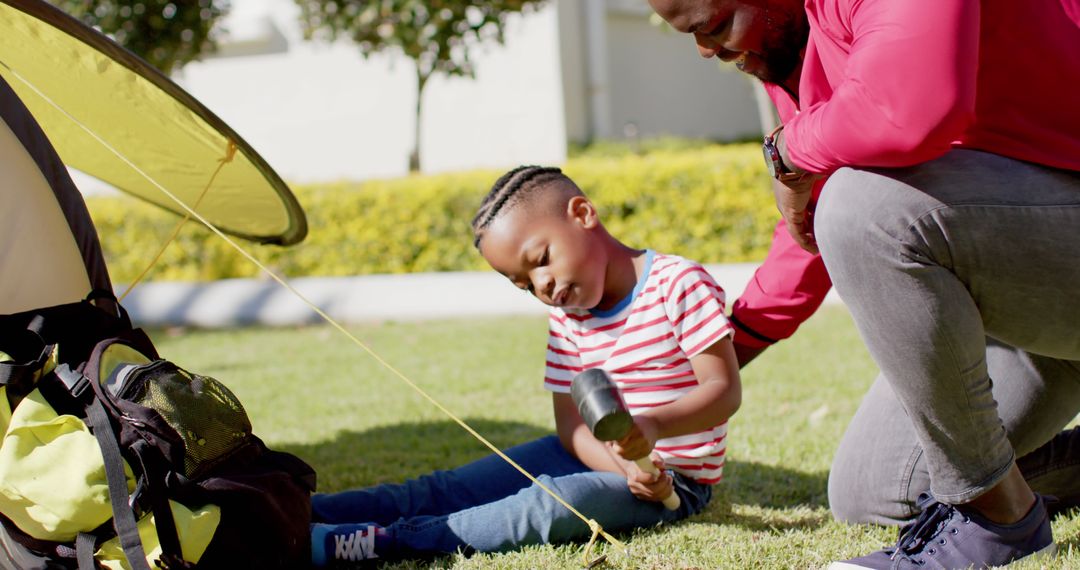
x=647 y=486
x=639 y=441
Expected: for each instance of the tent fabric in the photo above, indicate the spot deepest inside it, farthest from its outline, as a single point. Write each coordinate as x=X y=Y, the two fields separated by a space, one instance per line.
x=49 y=250
x=51 y=60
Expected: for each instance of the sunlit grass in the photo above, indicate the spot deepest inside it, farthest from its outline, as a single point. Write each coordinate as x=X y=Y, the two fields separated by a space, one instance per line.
x=312 y=392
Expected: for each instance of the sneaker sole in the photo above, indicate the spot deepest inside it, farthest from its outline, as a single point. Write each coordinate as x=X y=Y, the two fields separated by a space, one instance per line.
x=1050 y=550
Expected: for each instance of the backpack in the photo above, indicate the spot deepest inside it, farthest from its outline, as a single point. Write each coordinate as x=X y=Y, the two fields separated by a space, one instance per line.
x=113 y=457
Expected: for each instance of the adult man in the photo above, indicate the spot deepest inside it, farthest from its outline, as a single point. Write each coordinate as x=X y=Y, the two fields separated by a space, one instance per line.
x=947 y=223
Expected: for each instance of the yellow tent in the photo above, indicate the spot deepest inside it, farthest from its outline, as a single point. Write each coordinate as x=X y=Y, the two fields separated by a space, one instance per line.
x=74 y=80
x=70 y=96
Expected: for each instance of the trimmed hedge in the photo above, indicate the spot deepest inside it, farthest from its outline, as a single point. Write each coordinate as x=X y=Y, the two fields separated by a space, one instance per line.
x=711 y=204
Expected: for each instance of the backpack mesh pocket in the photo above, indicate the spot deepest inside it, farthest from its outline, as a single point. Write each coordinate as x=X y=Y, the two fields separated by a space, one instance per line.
x=207 y=416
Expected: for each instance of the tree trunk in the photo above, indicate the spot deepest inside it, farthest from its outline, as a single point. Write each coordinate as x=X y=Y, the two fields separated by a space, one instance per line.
x=421 y=82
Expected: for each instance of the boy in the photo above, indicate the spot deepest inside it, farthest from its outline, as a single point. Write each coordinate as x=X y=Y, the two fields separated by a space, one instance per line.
x=655 y=322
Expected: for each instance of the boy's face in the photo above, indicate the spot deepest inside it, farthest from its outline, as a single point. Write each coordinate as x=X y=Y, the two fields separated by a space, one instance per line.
x=558 y=257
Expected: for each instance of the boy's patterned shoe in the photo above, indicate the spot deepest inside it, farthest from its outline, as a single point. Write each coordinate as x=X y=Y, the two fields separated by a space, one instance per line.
x=345 y=543
x=948 y=537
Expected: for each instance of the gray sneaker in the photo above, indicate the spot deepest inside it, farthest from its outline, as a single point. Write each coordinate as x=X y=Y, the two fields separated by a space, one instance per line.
x=953 y=537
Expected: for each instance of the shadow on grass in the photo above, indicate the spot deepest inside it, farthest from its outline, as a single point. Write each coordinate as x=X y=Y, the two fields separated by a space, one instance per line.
x=394 y=453
x=752 y=483
x=766 y=497
x=752 y=495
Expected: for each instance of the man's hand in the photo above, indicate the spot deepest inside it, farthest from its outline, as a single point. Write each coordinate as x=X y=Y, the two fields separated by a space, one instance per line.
x=649 y=487
x=793 y=199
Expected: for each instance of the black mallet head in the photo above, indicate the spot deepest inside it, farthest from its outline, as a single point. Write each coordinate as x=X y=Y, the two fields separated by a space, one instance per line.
x=601 y=404
x=603 y=409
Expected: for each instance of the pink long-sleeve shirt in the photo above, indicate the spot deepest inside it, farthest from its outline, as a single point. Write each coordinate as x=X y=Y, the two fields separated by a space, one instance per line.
x=898 y=82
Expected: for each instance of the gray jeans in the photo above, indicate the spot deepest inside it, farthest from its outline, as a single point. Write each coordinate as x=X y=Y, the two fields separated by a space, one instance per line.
x=963 y=277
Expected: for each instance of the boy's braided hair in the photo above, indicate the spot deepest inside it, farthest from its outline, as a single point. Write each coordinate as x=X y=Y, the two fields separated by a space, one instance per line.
x=515 y=187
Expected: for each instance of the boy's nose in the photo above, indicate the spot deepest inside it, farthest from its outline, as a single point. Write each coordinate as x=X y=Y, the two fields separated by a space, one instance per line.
x=543 y=284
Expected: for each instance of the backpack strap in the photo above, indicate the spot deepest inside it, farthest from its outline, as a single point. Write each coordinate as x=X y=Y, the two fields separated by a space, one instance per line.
x=123 y=516
x=85 y=546
x=30 y=338
x=143 y=456
x=29 y=353
x=150 y=462
x=18 y=375
x=136 y=339
x=48 y=549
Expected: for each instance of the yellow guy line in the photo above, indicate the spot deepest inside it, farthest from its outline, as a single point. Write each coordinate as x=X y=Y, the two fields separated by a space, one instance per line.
x=597 y=530
x=230 y=152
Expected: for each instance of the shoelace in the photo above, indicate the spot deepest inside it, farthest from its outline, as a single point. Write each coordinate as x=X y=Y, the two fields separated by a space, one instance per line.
x=355 y=546
x=918 y=534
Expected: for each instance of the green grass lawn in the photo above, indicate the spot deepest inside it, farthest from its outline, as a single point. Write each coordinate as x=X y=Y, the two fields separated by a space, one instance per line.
x=312 y=392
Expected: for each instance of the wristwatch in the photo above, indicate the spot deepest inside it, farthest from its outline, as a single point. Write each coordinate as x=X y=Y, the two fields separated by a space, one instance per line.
x=773 y=161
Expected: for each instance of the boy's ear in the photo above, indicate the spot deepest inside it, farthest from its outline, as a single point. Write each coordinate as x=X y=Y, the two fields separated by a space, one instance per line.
x=582 y=211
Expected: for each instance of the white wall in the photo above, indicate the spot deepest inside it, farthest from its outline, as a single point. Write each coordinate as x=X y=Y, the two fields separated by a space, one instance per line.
x=660 y=84
x=652 y=77
x=511 y=113
x=574 y=69
x=321 y=112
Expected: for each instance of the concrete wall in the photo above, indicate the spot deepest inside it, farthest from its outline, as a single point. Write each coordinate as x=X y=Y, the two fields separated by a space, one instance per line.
x=574 y=69
x=366 y=298
x=660 y=84
x=652 y=81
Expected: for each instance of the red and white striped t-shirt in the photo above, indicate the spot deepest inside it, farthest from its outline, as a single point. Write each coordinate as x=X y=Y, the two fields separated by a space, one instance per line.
x=645 y=343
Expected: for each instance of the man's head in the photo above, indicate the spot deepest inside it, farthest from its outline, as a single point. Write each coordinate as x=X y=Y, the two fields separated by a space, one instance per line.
x=538 y=229
x=764 y=38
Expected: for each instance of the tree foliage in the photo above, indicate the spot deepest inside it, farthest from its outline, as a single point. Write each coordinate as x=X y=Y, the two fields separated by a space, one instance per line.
x=168 y=34
x=435 y=34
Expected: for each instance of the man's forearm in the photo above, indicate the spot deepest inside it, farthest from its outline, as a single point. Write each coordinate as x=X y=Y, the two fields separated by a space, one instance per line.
x=744 y=354
x=786 y=290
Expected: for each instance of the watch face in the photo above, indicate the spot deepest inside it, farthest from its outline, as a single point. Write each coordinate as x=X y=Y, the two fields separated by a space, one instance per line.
x=772 y=160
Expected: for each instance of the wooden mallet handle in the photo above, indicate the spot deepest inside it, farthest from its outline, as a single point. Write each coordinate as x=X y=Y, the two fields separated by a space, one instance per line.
x=671 y=501
x=603 y=409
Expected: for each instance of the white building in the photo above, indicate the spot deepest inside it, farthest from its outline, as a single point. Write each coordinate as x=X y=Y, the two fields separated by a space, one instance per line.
x=575 y=70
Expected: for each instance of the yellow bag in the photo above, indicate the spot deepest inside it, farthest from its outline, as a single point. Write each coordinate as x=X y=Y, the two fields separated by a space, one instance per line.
x=53 y=484
x=118 y=458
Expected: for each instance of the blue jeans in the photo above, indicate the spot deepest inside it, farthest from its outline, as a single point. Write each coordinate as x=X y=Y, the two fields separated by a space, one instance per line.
x=961 y=274
x=488 y=506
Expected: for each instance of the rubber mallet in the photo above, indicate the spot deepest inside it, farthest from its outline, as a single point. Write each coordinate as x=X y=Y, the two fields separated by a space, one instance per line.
x=602 y=407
